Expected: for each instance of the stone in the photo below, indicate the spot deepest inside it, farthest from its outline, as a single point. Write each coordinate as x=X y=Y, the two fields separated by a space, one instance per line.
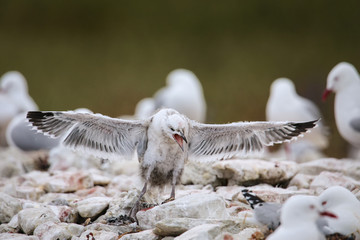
x=98 y=235
x=51 y=230
x=122 y=183
x=9 y=206
x=177 y=226
x=29 y=192
x=16 y=236
x=65 y=213
x=102 y=227
x=69 y=181
x=327 y=179
x=350 y=168
x=201 y=206
x=250 y=233
x=205 y=231
x=97 y=191
x=92 y=207
x=201 y=173
x=31 y=218
x=301 y=181
x=253 y=171
x=143 y=235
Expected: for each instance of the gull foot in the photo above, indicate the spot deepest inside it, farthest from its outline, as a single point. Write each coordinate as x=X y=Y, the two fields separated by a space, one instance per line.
x=168 y=200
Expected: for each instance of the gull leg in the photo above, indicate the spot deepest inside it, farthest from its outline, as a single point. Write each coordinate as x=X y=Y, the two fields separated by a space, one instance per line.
x=172 y=195
x=136 y=207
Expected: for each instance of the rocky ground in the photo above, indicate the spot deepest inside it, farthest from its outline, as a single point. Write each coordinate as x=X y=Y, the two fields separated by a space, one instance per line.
x=64 y=195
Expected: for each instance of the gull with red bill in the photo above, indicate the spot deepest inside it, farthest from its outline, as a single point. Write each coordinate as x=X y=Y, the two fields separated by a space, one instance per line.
x=344 y=81
x=163 y=141
x=299 y=216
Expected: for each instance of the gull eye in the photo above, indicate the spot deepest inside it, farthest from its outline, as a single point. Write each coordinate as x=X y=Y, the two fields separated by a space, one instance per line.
x=324 y=203
x=312 y=206
x=336 y=78
x=172 y=129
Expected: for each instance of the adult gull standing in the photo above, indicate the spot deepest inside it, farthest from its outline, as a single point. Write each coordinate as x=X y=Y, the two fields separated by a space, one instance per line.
x=284 y=104
x=344 y=80
x=163 y=141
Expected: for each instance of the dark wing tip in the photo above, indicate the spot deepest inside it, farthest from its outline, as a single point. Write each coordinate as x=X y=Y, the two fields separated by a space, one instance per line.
x=304 y=126
x=251 y=198
x=38 y=115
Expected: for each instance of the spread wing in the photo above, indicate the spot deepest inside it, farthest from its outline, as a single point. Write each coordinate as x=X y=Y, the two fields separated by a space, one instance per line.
x=100 y=135
x=211 y=142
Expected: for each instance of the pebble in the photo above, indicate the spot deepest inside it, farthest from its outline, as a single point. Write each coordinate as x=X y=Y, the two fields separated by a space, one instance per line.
x=9 y=206
x=31 y=218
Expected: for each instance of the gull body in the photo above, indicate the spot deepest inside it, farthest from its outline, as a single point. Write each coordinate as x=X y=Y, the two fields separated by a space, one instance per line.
x=163 y=141
x=298 y=219
x=346 y=207
x=14 y=99
x=284 y=104
x=344 y=81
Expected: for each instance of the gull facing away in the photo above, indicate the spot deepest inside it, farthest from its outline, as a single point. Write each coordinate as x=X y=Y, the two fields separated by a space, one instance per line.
x=344 y=80
x=298 y=219
x=284 y=104
x=346 y=207
x=163 y=141
x=14 y=99
x=183 y=92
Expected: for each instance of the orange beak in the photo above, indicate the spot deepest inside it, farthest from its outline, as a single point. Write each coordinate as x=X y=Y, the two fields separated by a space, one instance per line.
x=328 y=214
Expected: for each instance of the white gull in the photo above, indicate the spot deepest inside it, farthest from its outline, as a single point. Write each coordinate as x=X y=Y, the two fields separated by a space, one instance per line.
x=163 y=141
x=298 y=219
x=344 y=80
x=346 y=207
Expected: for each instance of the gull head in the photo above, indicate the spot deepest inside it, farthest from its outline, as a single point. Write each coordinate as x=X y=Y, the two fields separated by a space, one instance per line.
x=174 y=125
x=340 y=77
x=337 y=195
x=13 y=83
x=300 y=208
x=282 y=86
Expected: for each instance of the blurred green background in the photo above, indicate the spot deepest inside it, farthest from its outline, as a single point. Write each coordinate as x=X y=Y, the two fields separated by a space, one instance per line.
x=107 y=55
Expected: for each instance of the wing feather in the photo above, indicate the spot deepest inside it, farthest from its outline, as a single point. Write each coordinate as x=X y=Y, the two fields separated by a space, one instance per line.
x=95 y=133
x=211 y=142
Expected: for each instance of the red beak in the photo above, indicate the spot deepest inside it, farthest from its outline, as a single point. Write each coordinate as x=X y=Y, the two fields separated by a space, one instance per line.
x=326 y=94
x=180 y=140
x=328 y=214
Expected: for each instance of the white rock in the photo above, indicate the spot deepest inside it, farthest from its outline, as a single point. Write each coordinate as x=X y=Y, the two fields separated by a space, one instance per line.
x=249 y=234
x=206 y=206
x=97 y=191
x=51 y=230
x=69 y=181
x=255 y=171
x=177 y=226
x=301 y=181
x=198 y=173
x=143 y=235
x=64 y=213
x=124 y=183
x=29 y=192
x=327 y=179
x=98 y=235
x=9 y=206
x=30 y=218
x=205 y=231
x=348 y=167
x=101 y=227
x=91 y=207
x=16 y=236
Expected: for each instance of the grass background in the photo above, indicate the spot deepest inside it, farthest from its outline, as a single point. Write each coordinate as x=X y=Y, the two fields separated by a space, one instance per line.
x=107 y=55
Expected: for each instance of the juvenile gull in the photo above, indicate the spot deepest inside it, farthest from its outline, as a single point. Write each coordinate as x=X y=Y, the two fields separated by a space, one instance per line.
x=346 y=207
x=298 y=219
x=163 y=141
x=344 y=80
